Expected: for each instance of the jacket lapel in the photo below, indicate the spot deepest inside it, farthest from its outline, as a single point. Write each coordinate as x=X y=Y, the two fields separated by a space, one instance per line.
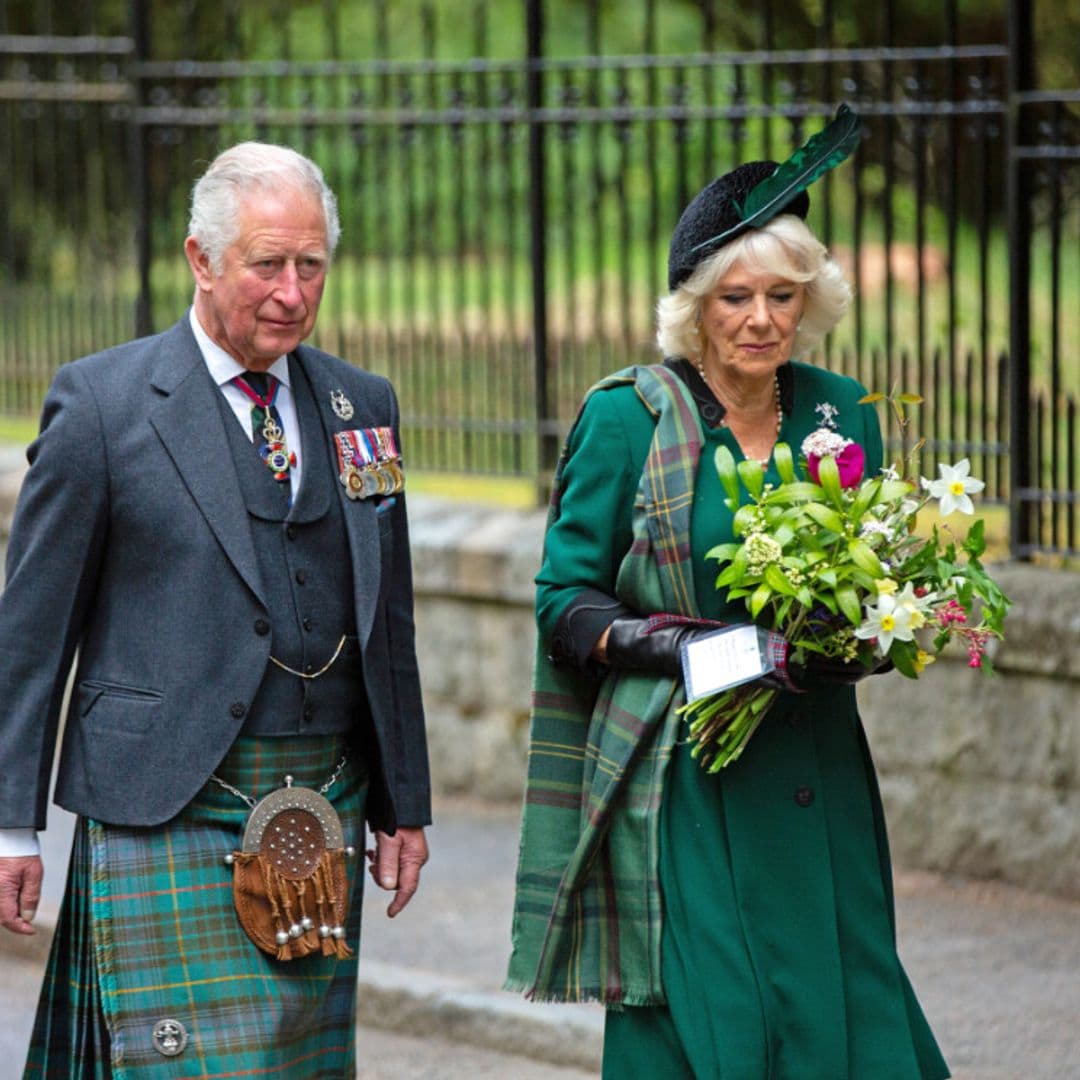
x=361 y=524
x=189 y=423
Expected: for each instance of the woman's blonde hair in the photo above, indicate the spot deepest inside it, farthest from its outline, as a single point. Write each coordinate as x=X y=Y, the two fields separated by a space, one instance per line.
x=785 y=247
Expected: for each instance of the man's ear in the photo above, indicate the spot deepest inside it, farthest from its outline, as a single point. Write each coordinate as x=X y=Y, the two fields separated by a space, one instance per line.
x=199 y=262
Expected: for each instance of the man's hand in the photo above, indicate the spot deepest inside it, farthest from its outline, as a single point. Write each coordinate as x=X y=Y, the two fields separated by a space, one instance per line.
x=20 y=891
x=396 y=862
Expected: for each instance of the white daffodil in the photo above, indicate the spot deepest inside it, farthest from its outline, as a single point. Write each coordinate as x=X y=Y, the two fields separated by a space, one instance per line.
x=886 y=620
x=916 y=606
x=954 y=488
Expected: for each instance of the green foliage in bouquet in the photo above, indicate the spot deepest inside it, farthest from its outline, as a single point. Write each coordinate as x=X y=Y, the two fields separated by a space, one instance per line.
x=830 y=559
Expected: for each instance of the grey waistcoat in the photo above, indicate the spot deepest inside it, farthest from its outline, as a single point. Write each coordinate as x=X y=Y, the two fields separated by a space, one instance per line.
x=307 y=580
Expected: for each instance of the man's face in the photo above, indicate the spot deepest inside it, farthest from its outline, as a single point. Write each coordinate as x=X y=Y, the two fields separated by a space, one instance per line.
x=264 y=301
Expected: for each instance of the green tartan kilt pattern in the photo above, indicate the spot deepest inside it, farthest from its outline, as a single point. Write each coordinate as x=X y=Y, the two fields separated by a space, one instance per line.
x=148 y=932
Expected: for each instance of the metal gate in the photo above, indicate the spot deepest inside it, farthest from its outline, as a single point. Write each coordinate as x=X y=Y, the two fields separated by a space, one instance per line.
x=508 y=185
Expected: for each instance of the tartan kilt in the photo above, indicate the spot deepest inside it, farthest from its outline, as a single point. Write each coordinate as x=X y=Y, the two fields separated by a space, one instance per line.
x=148 y=932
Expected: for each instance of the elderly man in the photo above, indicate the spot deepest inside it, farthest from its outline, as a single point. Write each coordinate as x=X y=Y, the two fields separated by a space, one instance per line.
x=214 y=519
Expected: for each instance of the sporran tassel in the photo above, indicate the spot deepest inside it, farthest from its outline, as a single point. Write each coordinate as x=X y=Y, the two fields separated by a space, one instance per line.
x=290 y=888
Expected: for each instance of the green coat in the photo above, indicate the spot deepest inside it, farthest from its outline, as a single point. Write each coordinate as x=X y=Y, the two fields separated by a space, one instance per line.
x=777 y=945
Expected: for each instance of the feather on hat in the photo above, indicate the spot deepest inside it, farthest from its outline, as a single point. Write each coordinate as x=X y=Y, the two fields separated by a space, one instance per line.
x=753 y=194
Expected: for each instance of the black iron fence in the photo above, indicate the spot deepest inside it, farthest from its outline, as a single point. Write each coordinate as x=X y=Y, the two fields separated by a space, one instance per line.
x=506 y=211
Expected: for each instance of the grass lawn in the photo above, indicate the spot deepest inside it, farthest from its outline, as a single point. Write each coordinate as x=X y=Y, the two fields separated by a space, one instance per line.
x=17 y=430
x=517 y=492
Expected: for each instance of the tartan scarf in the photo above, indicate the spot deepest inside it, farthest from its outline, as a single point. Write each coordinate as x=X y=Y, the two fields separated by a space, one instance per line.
x=588 y=912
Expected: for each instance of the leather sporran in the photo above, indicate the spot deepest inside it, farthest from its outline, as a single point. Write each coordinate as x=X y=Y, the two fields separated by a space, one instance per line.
x=289 y=883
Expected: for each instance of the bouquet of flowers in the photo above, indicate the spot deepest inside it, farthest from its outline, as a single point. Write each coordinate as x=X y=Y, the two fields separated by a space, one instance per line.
x=833 y=563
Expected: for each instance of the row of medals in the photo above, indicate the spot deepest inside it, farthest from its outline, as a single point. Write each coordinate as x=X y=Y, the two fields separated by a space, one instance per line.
x=382 y=478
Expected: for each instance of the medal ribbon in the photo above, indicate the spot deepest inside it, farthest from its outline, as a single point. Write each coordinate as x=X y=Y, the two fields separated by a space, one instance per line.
x=365 y=447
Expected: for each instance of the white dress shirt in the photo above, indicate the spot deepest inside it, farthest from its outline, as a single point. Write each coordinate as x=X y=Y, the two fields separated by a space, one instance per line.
x=223 y=369
x=14 y=842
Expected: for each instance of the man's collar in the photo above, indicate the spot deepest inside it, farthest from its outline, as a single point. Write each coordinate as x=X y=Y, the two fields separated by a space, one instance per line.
x=223 y=367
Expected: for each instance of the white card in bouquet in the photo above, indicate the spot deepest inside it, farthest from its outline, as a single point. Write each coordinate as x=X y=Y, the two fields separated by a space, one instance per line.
x=726 y=658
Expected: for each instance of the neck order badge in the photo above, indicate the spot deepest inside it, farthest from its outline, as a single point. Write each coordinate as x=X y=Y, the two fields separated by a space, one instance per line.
x=262 y=389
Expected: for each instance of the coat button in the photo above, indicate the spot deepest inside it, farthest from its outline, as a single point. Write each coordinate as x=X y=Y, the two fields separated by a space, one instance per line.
x=290 y=531
x=237 y=709
x=301 y=577
x=561 y=651
x=262 y=627
x=306 y=624
x=804 y=796
x=309 y=714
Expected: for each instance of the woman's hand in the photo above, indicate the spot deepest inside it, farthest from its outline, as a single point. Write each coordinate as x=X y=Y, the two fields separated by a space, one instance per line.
x=633 y=642
x=829 y=671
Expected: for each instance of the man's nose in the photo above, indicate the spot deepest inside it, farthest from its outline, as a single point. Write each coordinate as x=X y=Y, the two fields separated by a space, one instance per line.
x=287 y=290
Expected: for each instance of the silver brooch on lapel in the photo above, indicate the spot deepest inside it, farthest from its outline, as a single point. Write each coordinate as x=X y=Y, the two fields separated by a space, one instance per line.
x=342 y=406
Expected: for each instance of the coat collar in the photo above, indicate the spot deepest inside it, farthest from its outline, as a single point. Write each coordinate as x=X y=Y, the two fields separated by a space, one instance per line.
x=710 y=408
x=188 y=419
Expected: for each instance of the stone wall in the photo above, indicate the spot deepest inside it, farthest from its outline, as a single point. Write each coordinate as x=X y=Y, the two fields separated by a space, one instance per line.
x=980 y=774
x=473 y=570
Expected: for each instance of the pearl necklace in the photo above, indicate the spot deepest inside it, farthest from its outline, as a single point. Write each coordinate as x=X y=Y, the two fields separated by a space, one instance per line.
x=763 y=462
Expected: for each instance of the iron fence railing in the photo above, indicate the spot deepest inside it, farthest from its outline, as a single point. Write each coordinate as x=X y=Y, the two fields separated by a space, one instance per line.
x=506 y=216
x=1045 y=163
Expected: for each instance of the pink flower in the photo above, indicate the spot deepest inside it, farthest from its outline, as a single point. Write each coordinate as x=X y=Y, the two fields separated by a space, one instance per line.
x=849 y=462
x=950 y=613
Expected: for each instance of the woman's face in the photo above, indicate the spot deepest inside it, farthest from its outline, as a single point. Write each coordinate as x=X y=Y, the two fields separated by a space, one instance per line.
x=749 y=321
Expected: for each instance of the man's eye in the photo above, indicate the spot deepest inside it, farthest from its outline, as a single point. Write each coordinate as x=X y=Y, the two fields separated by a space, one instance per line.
x=783 y=298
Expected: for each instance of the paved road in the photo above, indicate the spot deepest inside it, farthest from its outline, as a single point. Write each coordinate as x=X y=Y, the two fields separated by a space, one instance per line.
x=383 y=1055
x=997 y=970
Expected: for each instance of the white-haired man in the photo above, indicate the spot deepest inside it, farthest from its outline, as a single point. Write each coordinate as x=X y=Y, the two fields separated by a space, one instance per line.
x=214 y=518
